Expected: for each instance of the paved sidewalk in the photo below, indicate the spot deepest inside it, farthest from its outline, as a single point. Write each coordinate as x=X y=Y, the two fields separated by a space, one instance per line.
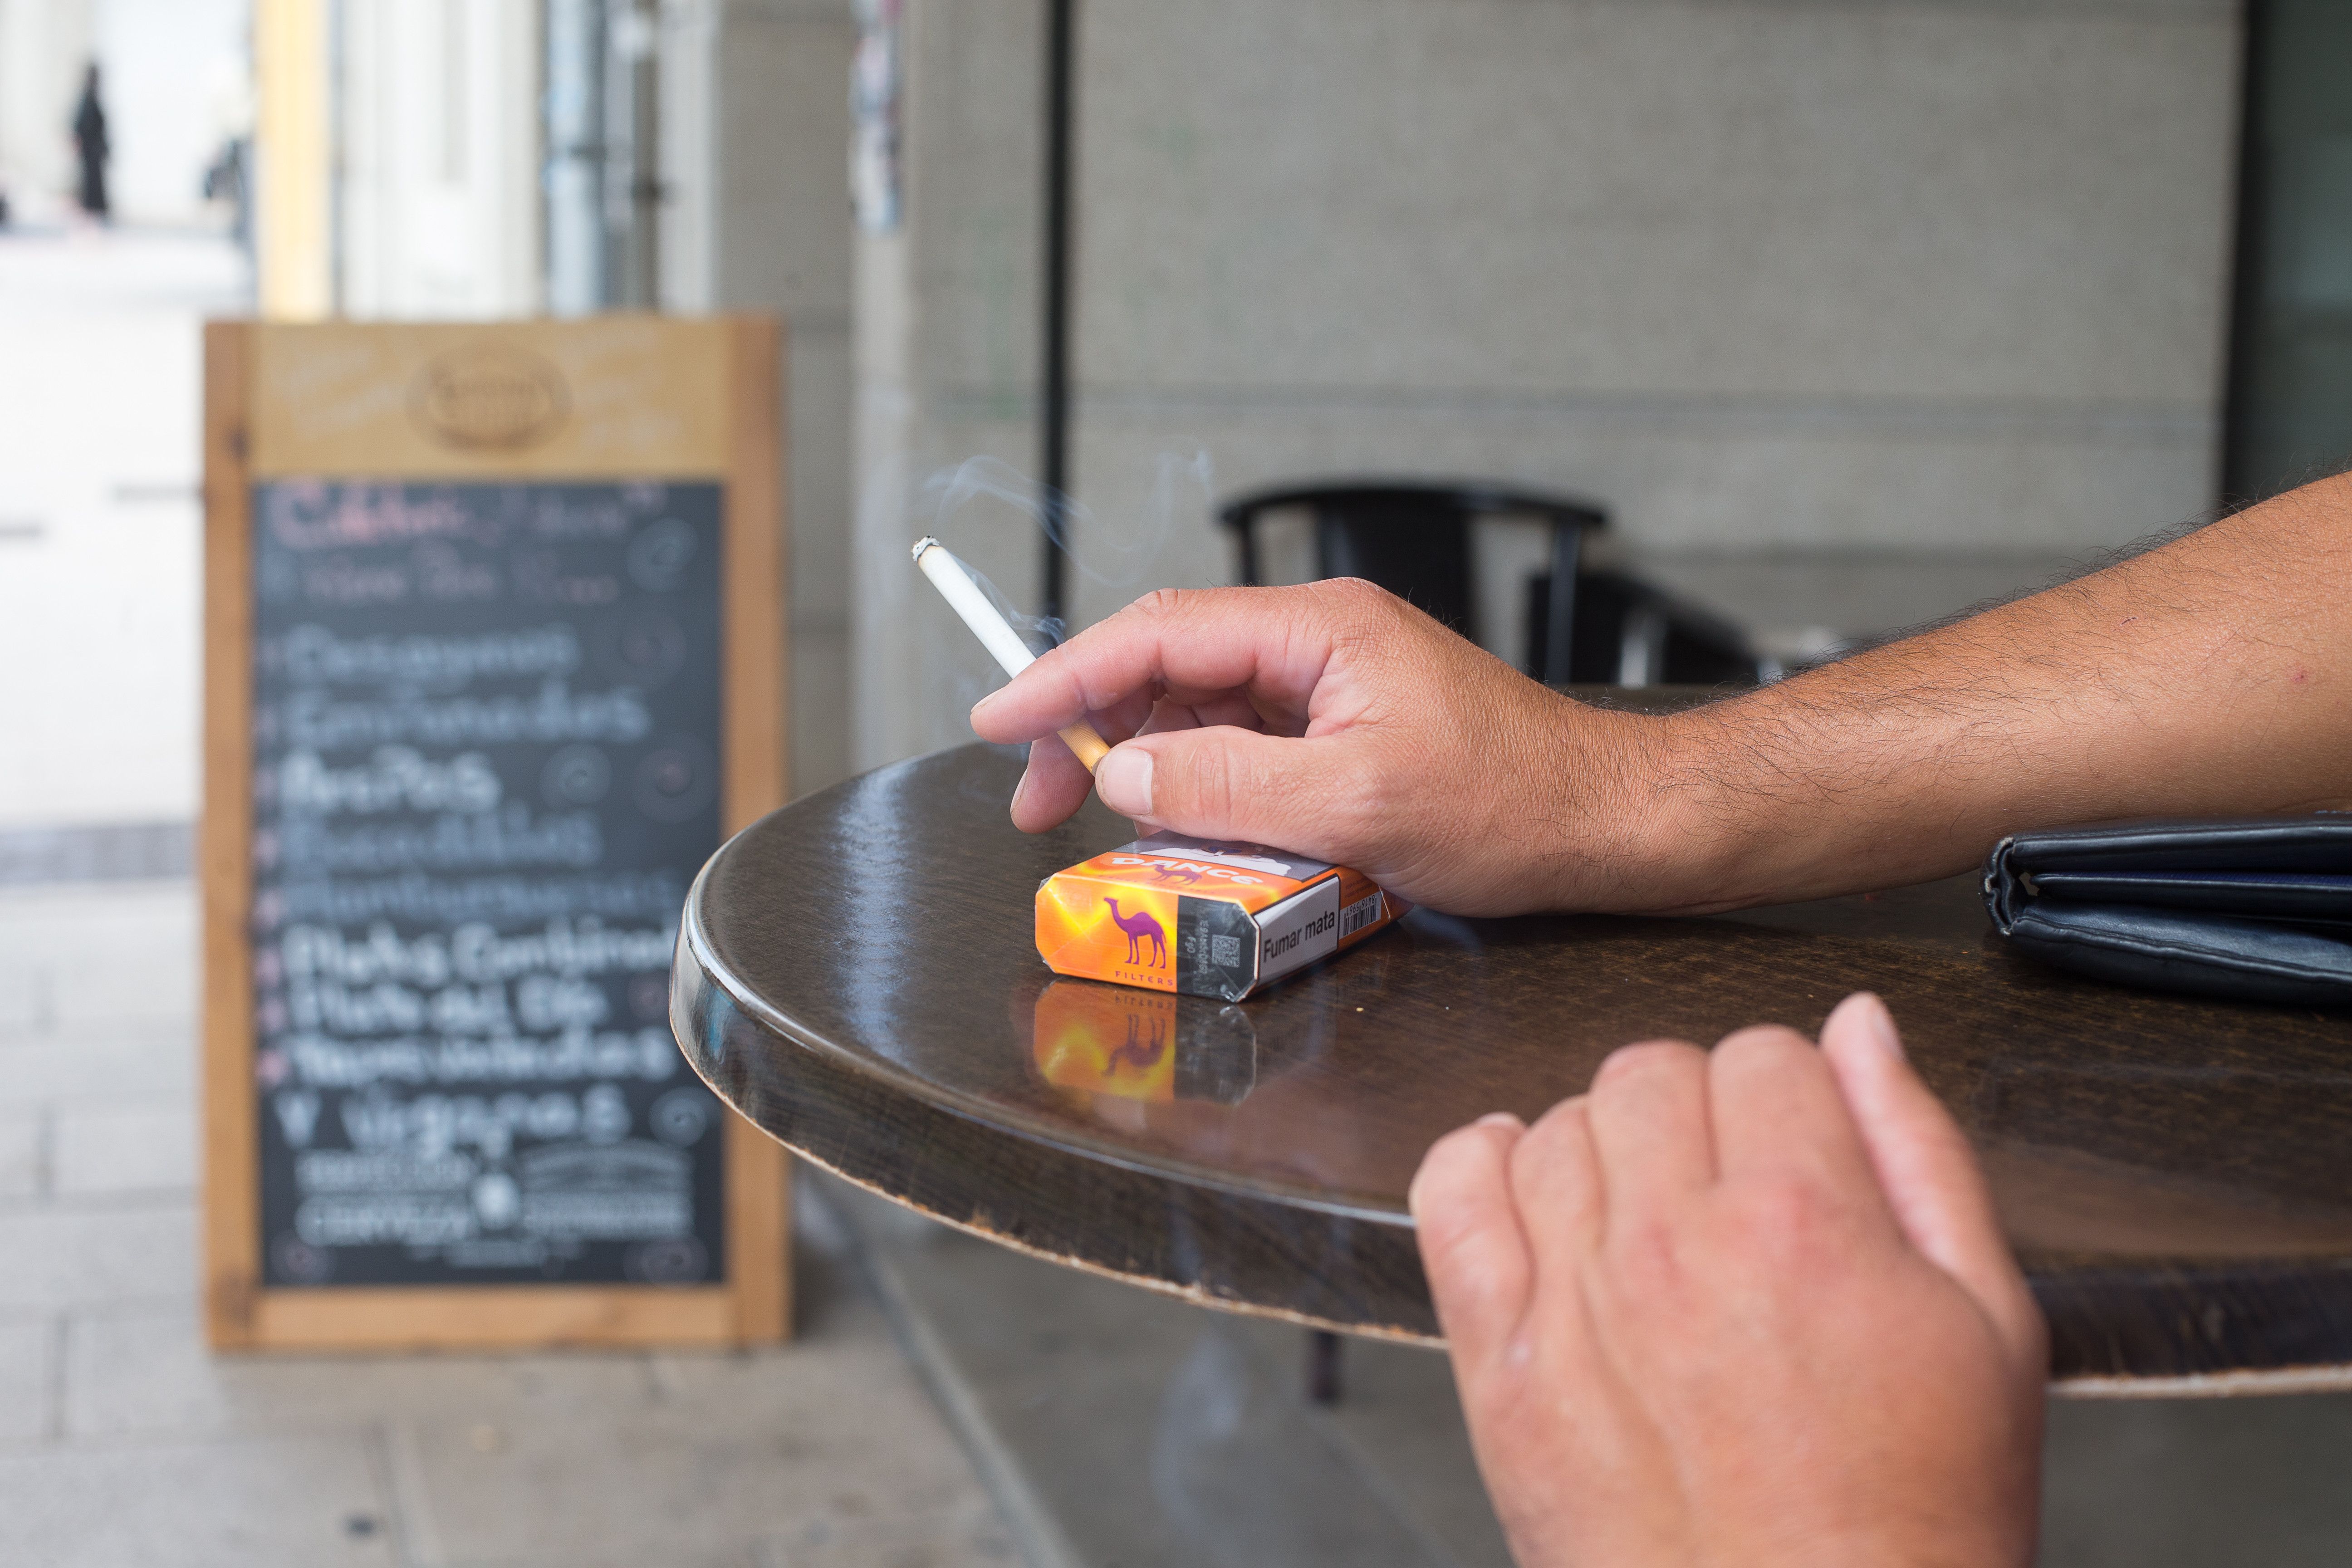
x=123 y=1442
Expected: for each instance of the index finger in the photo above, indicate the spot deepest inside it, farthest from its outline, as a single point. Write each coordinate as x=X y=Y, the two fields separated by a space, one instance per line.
x=1929 y=1173
x=1191 y=642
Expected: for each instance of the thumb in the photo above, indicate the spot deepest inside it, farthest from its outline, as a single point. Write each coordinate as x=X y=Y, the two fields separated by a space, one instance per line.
x=1221 y=782
x=1929 y=1173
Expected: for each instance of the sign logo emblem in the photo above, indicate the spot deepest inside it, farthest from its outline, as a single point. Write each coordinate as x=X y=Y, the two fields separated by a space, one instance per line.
x=490 y=397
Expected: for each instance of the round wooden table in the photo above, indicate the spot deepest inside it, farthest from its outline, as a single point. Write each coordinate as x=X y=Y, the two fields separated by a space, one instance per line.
x=856 y=975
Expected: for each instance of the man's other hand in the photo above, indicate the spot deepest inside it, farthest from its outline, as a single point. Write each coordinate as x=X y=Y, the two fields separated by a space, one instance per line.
x=1742 y=1308
x=1337 y=721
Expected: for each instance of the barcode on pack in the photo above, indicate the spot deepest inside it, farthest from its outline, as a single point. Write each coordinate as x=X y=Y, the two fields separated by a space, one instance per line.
x=1359 y=915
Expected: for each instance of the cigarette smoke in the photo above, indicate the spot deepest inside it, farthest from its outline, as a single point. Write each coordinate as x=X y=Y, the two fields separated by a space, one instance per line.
x=1150 y=538
x=1124 y=548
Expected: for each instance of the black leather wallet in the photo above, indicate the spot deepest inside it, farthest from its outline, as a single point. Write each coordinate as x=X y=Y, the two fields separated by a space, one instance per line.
x=2259 y=909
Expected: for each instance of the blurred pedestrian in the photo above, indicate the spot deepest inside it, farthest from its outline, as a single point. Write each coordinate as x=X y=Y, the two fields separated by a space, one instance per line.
x=225 y=181
x=91 y=145
x=230 y=178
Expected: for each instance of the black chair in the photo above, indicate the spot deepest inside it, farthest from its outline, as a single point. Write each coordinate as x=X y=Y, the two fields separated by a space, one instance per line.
x=1415 y=540
x=1627 y=632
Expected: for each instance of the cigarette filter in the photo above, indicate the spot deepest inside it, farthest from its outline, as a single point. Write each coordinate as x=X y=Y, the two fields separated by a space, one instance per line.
x=1201 y=916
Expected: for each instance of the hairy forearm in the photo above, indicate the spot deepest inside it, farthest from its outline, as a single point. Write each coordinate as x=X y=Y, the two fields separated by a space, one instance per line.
x=2212 y=675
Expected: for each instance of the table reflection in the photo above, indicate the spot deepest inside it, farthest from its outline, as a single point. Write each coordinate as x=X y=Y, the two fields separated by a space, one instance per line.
x=1092 y=1039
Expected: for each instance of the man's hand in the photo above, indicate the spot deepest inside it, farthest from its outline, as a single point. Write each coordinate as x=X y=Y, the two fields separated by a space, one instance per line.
x=1746 y=1307
x=1337 y=721
x=2210 y=677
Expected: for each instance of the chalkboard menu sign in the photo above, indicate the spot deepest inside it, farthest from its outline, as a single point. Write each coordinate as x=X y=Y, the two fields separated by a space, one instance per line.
x=493 y=662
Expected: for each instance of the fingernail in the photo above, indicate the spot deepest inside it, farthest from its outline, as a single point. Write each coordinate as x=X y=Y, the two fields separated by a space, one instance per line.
x=1019 y=790
x=1878 y=1023
x=1123 y=779
x=1500 y=1119
x=983 y=702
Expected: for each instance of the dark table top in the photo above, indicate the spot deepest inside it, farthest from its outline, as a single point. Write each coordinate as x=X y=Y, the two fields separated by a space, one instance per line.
x=857 y=975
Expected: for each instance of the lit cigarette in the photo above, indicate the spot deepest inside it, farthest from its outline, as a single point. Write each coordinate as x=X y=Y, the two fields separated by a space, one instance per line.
x=997 y=636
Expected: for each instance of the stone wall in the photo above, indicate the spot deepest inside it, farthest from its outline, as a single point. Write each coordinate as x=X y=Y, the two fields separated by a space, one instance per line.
x=1913 y=279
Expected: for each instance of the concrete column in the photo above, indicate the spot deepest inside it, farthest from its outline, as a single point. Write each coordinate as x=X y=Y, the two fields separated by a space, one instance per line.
x=884 y=661
x=777 y=129
x=947 y=367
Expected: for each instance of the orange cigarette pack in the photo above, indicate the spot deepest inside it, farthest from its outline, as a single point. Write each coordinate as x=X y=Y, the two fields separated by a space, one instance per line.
x=1203 y=917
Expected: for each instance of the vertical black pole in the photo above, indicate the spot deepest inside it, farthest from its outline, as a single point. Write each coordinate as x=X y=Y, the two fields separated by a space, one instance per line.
x=2242 y=482
x=1054 y=374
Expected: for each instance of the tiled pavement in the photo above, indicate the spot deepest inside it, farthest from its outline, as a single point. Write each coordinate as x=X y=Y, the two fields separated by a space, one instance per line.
x=123 y=1441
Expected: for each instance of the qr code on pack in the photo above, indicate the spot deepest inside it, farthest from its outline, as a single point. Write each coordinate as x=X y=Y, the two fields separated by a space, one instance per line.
x=1225 y=952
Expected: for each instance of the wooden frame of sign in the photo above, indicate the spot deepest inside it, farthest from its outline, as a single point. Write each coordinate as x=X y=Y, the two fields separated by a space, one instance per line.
x=621 y=400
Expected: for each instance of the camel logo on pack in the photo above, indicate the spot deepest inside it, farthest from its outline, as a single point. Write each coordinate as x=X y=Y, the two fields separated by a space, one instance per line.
x=1170 y=871
x=489 y=397
x=1140 y=928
